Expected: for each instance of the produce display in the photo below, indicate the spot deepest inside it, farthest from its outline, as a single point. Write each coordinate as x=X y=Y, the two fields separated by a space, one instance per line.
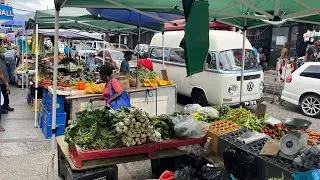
x=313 y=137
x=207 y=114
x=92 y=88
x=26 y=66
x=245 y=119
x=275 y=132
x=102 y=129
x=150 y=79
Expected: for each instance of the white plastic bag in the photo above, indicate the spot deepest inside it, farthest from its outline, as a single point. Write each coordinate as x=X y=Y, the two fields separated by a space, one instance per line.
x=208 y=112
x=188 y=127
x=2 y=99
x=191 y=108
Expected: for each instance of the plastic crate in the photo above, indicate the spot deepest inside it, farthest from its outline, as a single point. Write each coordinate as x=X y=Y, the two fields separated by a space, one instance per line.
x=59 y=104
x=46 y=130
x=60 y=117
x=218 y=129
x=66 y=173
x=45 y=97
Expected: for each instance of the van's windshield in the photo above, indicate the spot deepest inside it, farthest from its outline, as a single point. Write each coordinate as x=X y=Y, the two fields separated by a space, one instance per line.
x=230 y=60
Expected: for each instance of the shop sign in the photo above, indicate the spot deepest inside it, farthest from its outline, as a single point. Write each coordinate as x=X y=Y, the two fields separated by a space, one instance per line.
x=6 y=12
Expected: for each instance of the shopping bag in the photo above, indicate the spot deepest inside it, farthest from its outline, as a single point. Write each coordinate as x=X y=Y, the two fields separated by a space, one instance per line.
x=122 y=101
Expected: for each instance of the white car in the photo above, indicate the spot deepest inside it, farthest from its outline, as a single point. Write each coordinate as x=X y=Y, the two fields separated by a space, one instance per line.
x=116 y=46
x=302 y=88
x=84 y=50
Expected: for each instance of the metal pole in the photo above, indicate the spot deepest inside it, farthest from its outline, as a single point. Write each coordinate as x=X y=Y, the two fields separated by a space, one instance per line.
x=25 y=62
x=162 y=50
x=119 y=40
x=138 y=55
x=243 y=59
x=36 y=85
x=103 y=53
x=22 y=56
x=55 y=82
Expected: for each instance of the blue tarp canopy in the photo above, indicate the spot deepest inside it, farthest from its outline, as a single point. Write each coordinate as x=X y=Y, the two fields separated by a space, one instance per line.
x=134 y=18
x=14 y=22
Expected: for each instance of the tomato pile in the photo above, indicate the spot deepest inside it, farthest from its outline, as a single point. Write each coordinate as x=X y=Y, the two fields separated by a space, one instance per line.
x=275 y=132
x=313 y=137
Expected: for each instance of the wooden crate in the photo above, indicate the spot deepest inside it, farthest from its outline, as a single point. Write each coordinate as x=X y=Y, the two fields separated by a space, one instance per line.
x=220 y=128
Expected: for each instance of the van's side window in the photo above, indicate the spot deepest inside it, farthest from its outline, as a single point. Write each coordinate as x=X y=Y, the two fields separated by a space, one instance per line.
x=211 y=61
x=177 y=56
x=156 y=53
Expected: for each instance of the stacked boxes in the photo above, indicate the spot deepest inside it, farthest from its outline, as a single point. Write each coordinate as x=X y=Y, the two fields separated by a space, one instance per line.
x=219 y=128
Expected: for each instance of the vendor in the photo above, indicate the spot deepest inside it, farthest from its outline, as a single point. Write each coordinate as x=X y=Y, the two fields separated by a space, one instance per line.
x=105 y=75
x=145 y=62
x=125 y=67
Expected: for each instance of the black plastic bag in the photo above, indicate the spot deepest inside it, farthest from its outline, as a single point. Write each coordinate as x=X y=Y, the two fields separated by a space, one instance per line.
x=240 y=164
x=213 y=173
x=185 y=173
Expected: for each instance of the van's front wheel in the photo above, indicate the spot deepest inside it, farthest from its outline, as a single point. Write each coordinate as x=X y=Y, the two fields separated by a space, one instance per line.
x=198 y=97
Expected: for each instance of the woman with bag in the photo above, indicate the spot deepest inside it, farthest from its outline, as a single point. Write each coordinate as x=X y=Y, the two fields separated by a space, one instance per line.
x=113 y=94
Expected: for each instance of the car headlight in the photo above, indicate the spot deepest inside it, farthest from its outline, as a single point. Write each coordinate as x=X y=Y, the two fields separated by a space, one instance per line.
x=232 y=89
x=261 y=86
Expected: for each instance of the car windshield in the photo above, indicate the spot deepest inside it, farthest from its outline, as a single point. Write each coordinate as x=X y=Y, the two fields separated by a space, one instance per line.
x=117 y=55
x=230 y=60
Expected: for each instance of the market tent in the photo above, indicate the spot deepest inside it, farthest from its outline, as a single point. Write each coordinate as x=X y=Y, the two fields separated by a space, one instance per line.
x=79 y=18
x=154 y=20
x=68 y=34
x=14 y=22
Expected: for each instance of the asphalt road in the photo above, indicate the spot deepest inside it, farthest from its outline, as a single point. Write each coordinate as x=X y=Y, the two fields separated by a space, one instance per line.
x=273 y=109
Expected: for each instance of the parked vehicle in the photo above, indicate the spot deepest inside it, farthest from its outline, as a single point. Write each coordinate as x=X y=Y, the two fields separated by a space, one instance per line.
x=219 y=83
x=113 y=57
x=84 y=50
x=116 y=46
x=97 y=45
x=141 y=49
x=302 y=88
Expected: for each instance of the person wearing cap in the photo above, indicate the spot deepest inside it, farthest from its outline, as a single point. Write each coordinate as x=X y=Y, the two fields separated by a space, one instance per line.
x=111 y=85
x=145 y=62
x=125 y=67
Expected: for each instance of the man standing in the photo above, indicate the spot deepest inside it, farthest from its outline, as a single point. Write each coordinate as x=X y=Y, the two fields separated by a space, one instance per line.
x=10 y=58
x=312 y=51
x=125 y=67
x=4 y=85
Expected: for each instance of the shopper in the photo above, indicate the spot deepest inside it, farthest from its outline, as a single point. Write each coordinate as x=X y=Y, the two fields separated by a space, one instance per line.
x=313 y=51
x=67 y=51
x=113 y=90
x=262 y=59
x=4 y=86
x=125 y=67
x=283 y=61
x=10 y=58
x=145 y=62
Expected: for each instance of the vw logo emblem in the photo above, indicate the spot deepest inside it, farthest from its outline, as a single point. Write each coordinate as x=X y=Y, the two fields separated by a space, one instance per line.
x=250 y=86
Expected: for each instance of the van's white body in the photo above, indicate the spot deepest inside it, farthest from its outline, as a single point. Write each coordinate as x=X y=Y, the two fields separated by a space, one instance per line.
x=215 y=83
x=97 y=45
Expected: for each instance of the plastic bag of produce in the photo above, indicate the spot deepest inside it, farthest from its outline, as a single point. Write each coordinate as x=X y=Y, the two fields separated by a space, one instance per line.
x=209 y=172
x=208 y=111
x=192 y=108
x=313 y=174
x=185 y=173
x=188 y=127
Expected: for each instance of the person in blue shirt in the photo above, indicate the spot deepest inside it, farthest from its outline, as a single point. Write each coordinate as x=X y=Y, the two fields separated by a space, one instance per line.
x=125 y=67
x=67 y=51
x=255 y=51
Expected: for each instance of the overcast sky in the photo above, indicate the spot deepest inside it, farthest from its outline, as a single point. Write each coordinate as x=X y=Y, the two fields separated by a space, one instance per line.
x=27 y=6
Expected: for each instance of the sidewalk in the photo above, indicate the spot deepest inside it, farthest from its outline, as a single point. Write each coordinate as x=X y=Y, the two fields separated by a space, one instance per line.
x=24 y=153
x=269 y=83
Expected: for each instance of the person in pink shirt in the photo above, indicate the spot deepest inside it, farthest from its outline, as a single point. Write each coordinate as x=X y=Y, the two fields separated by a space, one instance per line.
x=111 y=85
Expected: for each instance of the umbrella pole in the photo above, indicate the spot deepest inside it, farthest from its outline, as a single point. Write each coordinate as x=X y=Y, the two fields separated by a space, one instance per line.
x=103 y=54
x=162 y=50
x=137 y=69
x=25 y=63
x=55 y=81
x=243 y=59
x=119 y=40
x=36 y=83
x=23 y=38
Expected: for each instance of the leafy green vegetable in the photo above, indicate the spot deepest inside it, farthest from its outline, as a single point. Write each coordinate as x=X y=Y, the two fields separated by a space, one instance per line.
x=164 y=125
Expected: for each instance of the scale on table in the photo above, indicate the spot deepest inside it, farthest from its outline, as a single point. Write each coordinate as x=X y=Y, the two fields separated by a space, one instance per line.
x=296 y=138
